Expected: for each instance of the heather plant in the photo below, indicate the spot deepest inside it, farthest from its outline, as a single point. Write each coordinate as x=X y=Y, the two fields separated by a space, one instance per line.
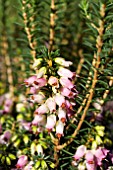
x=56 y=85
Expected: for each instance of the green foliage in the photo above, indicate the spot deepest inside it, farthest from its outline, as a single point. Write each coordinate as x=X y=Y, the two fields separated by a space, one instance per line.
x=76 y=30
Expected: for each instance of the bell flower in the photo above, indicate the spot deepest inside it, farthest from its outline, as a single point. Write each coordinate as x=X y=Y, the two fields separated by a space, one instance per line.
x=53 y=81
x=64 y=72
x=90 y=160
x=61 y=115
x=42 y=109
x=59 y=129
x=38 y=98
x=81 y=150
x=67 y=92
x=39 y=120
x=65 y=82
x=51 y=104
x=51 y=121
x=39 y=82
x=60 y=100
x=22 y=161
x=4 y=139
x=100 y=154
x=30 y=80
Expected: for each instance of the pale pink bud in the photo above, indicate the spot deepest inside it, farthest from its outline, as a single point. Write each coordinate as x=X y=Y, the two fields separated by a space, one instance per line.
x=39 y=120
x=22 y=161
x=81 y=150
x=100 y=154
x=62 y=62
x=38 y=98
x=51 y=121
x=65 y=82
x=60 y=100
x=62 y=115
x=59 y=129
x=42 y=109
x=64 y=72
x=53 y=81
x=51 y=104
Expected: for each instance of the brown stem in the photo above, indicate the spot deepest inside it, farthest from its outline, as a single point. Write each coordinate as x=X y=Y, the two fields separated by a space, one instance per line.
x=4 y=52
x=28 y=30
x=99 y=44
x=52 y=25
x=80 y=62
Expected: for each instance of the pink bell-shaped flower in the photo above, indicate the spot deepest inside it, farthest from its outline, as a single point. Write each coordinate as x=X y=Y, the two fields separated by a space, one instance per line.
x=59 y=129
x=51 y=104
x=81 y=150
x=67 y=92
x=30 y=80
x=64 y=72
x=60 y=100
x=51 y=121
x=42 y=109
x=4 y=139
x=100 y=154
x=39 y=82
x=39 y=120
x=38 y=98
x=90 y=160
x=53 y=81
x=22 y=161
x=61 y=115
x=65 y=82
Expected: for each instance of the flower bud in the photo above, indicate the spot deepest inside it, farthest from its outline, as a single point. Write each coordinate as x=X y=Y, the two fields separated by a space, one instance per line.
x=41 y=72
x=39 y=150
x=62 y=62
x=8 y=161
x=37 y=63
x=33 y=148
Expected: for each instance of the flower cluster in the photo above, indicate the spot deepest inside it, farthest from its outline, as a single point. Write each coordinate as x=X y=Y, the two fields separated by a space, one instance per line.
x=53 y=95
x=91 y=159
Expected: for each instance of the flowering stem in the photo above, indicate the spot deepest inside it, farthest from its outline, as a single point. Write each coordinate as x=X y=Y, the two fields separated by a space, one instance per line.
x=99 y=45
